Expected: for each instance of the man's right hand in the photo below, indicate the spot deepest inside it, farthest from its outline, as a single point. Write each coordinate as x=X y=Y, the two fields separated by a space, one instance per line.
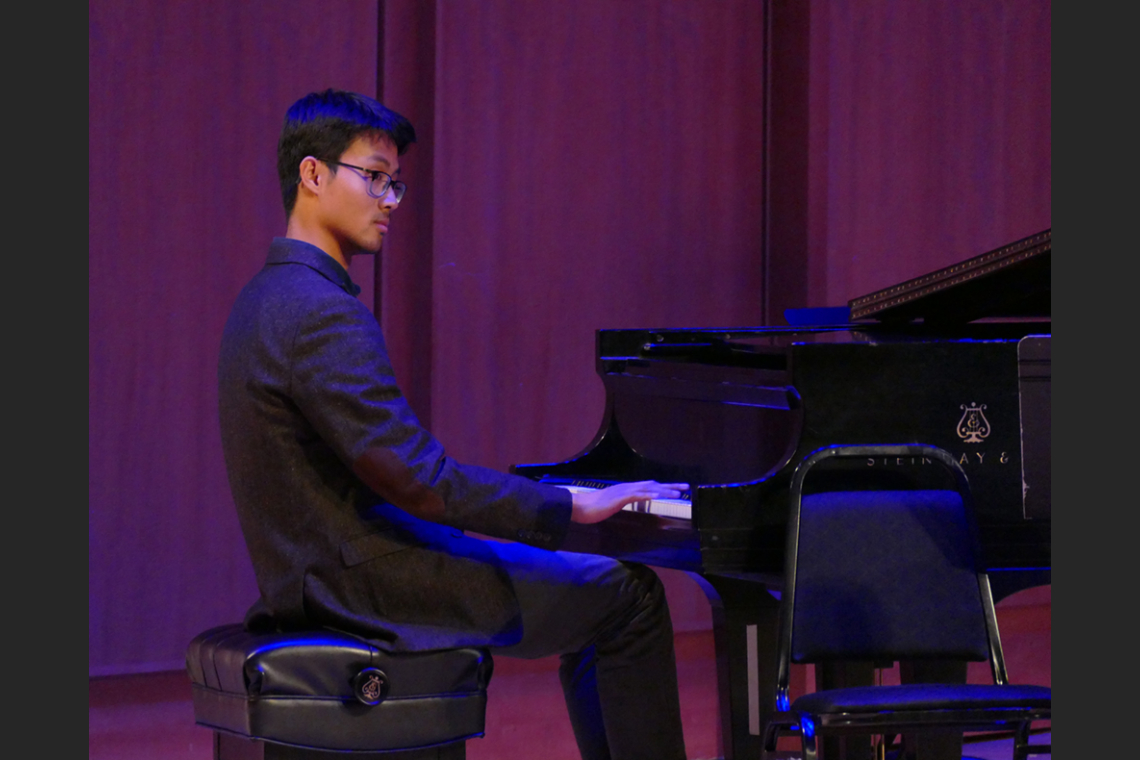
x=595 y=506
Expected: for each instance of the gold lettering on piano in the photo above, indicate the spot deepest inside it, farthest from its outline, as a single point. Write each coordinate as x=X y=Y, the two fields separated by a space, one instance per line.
x=899 y=461
x=979 y=458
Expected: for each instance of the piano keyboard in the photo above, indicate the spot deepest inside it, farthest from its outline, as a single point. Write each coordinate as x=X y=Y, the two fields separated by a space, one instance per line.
x=677 y=508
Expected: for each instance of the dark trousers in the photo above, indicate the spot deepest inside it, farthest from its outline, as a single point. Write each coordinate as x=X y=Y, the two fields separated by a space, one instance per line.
x=610 y=623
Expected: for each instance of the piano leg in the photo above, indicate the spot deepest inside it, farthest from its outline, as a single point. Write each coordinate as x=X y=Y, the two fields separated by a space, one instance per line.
x=933 y=746
x=928 y=746
x=745 y=629
x=843 y=675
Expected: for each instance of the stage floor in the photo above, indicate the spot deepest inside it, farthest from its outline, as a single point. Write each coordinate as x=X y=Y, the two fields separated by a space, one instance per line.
x=149 y=717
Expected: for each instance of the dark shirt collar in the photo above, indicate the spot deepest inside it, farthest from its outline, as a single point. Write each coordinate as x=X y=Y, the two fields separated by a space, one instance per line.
x=289 y=251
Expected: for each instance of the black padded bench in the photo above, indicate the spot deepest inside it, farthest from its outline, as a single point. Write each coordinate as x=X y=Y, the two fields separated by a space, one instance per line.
x=315 y=695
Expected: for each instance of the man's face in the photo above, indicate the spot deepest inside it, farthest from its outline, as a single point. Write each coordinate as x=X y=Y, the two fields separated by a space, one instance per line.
x=357 y=220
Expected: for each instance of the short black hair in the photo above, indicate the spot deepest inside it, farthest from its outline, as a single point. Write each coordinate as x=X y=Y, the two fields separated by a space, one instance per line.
x=323 y=124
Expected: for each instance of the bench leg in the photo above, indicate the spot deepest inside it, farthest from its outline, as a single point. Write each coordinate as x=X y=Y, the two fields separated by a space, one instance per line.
x=230 y=747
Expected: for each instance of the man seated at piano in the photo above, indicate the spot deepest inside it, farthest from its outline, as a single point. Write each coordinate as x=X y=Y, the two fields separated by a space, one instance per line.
x=354 y=515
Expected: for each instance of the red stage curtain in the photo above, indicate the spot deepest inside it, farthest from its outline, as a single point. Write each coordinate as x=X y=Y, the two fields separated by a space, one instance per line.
x=186 y=101
x=597 y=164
x=931 y=137
x=581 y=165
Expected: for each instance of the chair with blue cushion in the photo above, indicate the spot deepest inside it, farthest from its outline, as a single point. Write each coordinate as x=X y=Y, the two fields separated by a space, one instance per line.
x=883 y=576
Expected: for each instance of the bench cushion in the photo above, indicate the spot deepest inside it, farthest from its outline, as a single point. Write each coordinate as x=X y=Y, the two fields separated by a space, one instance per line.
x=297 y=688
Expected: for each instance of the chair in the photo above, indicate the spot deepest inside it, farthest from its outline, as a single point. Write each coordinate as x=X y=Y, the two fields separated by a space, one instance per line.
x=316 y=695
x=851 y=596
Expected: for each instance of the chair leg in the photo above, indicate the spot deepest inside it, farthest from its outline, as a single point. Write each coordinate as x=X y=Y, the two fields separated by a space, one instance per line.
x=1022 y=749
x=1020 y=742
x=456 y=751
x=771 y=736
x=886 y=745
x=810 y=749
x=935 y=745
x=842 y=675
x=776 y=725
x=229 y=747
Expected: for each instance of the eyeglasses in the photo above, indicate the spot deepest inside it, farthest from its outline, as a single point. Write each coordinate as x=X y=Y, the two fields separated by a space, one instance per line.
x=379 y=181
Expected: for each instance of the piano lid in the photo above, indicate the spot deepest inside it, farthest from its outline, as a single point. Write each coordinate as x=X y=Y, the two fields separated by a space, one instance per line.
x=1011 y=281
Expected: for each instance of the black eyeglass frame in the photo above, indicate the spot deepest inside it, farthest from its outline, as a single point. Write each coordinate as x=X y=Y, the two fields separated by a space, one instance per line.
x=398 y=187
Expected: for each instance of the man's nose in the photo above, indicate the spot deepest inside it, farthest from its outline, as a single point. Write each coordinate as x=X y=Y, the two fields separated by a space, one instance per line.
x=389 y=199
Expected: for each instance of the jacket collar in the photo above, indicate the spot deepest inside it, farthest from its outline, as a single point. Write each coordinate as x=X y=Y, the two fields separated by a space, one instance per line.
x=289 y=251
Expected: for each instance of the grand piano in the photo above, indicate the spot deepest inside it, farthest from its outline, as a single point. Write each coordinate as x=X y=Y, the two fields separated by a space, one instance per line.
x=958 y=358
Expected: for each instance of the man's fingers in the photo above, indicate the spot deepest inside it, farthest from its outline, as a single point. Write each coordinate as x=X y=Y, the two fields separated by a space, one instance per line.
x=594 y=506
x=650 y=489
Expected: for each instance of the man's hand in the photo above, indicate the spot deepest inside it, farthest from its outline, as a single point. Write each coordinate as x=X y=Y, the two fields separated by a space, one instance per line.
x=595 y=506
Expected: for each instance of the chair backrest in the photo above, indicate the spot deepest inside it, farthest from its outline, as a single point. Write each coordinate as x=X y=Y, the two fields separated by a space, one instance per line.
x=885 y=575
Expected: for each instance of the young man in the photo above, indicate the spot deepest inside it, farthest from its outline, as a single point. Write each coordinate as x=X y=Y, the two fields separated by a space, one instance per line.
x=352 y=512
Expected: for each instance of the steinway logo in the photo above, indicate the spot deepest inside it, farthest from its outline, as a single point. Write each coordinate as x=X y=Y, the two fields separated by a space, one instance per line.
x=973 y=427
x=965 y=458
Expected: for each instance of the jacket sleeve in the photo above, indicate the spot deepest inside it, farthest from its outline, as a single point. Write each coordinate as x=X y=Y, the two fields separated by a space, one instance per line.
x=342 y=381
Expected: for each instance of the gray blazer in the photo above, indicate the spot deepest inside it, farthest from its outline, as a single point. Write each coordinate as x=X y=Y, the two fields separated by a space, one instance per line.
x=304 y=388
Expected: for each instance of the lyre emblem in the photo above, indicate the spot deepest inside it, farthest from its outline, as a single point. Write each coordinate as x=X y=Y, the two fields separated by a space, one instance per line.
x=373 y=687
x=973 y=427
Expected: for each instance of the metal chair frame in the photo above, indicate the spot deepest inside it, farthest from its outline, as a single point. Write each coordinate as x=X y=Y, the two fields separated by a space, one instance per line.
x=950 y=717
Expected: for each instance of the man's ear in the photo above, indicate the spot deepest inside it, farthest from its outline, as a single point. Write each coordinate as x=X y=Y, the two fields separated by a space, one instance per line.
x=310 y=174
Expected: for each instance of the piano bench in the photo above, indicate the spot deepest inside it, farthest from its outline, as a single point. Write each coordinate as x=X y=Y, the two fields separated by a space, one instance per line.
x=315 y=695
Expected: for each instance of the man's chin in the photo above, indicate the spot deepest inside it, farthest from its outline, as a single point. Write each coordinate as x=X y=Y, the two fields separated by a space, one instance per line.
x=371 y=249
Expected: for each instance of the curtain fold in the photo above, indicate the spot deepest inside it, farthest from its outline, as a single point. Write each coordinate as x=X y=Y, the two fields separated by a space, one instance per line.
x=186 y=102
